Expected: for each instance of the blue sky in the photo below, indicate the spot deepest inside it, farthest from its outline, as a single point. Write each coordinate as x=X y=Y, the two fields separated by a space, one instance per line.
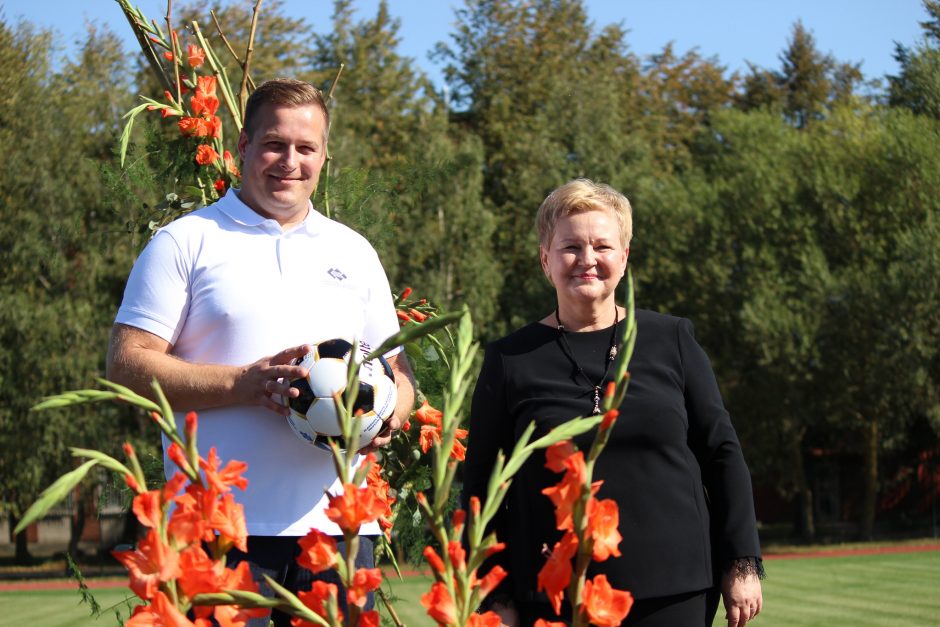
x=736 y=31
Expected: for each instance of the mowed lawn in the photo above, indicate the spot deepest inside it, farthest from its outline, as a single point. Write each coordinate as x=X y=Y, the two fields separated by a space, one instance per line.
x=862 y=590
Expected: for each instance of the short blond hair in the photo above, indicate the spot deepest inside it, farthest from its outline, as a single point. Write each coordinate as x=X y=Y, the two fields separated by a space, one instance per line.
x=284 y=92
x=582 y=195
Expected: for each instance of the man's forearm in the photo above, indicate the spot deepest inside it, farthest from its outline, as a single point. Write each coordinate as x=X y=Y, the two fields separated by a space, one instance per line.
x=186 y=385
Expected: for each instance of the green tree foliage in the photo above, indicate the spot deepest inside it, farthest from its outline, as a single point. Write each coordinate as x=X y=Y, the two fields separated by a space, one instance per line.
x=826 y=347
x=917 y=87
x=807 y=85
x=61 y=252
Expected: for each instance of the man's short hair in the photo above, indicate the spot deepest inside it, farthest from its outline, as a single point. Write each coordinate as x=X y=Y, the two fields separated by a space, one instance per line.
x=285 y=92
x=582 y=195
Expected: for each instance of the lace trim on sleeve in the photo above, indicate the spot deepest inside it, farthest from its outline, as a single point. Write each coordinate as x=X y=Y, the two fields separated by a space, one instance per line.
x=744 y=567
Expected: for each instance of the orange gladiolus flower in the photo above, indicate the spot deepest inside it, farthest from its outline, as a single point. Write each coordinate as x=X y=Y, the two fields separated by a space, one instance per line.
x=369 y=619
x=149 y=565
x=219 y=186
x=160 y=613
x=439 y=604
x=604 y=606
x=459 y=451
x=206 y=85
x=195 y=55
x=229 y=476
x=317 y=551
x=354 y=507
x=603 y=518
x=487 y=619
x=199 y=572
x=203 y=105
x=205 y=155
x=148 y=508
x=194 y=127
x=556 y=454
x=555 y=575
x=430 y=435
x=229 y=520
x=546 y=623
x=214 y=126
x=238 y=578
x=168 y=55
x=427 y=415
x=364 y=581
x=316 y=600
x=190 y=520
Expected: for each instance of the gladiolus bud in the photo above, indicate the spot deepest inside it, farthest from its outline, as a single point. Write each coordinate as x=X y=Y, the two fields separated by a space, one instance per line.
x=129 y=450
x=417 y=315
x=434 y=560
x=496 y=548
x=405 y=293
x=475 y=506
x=609 y=419
x=611 y=388
x=132 y=483
x=403 y=316
x=176 y=454
x=220 y=186
x=191 y=425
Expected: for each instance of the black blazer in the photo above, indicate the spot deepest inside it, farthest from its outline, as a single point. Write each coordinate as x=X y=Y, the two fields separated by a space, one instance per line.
x=673 y=463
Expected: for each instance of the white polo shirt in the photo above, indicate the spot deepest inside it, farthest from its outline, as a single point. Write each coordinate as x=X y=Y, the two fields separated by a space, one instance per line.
x=223 y=285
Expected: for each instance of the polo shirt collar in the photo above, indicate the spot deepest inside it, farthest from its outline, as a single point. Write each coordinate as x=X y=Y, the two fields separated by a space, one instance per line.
x=232 y=206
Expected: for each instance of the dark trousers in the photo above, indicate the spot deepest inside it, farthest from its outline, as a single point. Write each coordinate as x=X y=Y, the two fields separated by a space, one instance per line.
x=691 y=609
x=276 y=557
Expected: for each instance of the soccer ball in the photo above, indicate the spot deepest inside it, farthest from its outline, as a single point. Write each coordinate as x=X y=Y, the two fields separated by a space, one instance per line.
x=313 y=415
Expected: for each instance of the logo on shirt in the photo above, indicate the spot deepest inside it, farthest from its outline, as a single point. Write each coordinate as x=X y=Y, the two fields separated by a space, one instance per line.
x=337 y=274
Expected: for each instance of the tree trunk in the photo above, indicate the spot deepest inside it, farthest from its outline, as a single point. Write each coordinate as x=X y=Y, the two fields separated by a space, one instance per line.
x=77 y=520
x=22 y=555
x=803 y=490
x=869 y=502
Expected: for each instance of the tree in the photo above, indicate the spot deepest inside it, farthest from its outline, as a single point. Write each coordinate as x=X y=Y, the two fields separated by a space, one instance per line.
x=807 y=85
x=917 y=86
x=60 y=250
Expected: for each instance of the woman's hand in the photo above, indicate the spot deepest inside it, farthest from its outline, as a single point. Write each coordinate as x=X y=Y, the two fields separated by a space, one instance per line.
x=508 y=615
x=742 y=597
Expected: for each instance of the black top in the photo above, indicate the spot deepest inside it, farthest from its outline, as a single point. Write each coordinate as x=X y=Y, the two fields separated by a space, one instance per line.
x=673 y=462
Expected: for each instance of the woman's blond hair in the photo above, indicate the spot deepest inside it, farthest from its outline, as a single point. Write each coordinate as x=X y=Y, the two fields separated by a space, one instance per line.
x=582 y=195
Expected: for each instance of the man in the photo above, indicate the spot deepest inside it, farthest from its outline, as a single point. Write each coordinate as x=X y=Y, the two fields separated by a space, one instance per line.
x=222 y=300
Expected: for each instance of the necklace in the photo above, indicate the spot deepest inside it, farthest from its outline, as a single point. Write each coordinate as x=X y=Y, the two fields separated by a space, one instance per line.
x=611 y=355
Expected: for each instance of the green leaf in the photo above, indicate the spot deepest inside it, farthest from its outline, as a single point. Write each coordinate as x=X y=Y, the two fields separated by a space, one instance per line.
x=53 y=494
x=413 y=332
x=105 y=460
x=126 y=133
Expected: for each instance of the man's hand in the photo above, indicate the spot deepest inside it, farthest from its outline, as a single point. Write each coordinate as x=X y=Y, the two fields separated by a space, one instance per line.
x=405 y=383
x=742 y=598
x=269 y=377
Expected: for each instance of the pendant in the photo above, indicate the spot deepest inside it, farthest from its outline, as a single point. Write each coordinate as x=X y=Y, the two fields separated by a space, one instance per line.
x=597 y=400
x=613 y=353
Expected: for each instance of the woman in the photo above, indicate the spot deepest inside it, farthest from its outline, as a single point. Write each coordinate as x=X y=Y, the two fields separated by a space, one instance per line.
x=673 y=462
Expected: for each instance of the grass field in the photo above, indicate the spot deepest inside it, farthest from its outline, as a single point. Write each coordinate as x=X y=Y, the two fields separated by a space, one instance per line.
x=864 y=590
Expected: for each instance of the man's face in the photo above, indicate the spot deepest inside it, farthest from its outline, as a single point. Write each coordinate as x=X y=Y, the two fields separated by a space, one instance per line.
x=281 y=162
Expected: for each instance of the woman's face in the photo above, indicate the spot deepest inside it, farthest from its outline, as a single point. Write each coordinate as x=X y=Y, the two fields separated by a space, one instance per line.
x=586 y=258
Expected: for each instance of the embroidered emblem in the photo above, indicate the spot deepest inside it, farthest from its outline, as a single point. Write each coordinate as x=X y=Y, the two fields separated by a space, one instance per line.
x=337 y=274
